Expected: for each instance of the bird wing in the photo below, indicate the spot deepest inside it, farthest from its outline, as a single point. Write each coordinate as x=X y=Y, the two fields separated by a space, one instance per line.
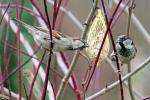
x=33 y=29
x=30 y=28
x=55 y=33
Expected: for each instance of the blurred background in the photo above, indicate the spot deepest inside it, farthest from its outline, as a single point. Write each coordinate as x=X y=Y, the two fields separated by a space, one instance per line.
x=104 y=74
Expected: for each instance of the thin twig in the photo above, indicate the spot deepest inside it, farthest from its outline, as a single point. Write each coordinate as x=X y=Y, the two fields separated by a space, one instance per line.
x=64 y=61
x=130 y=83
x=31 y=56
x=25 y=90
x=39 y=11
x=21 y=7
x=115 y=51
x=7 y=61
x=30 y=52
x=18 y=12
x=14 y=95
x=113 y=85
x=146 y=98
x=36 y=73
x=69 y=14
x=129 y=64
x=65 y=80
x=49 y=59
x=129 y=18
x=99 y=52
x=125 y=83
x=137 y=23
x=15 y=70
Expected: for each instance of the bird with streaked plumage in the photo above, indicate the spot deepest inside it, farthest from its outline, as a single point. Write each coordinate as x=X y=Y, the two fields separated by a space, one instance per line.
x=126 y=49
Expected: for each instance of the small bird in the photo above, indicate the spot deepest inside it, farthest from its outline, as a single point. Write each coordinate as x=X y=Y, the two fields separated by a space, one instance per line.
x=125 y=48
x=60 y=41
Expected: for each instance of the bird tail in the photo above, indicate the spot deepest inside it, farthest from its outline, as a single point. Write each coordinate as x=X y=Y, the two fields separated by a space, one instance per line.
x=30 y=28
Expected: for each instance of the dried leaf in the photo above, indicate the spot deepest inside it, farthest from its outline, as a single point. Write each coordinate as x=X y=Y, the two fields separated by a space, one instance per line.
x=95 y=37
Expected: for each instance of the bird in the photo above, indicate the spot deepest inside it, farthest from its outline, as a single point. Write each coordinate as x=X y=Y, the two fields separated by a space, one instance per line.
x=125 y=48
x=60 y=41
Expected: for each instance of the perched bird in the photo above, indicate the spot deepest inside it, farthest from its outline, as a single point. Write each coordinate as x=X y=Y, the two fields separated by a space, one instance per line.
x=125 y=48
x=60 y=41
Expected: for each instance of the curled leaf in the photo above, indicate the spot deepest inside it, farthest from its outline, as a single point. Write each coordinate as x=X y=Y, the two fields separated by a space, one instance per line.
x=95 y=37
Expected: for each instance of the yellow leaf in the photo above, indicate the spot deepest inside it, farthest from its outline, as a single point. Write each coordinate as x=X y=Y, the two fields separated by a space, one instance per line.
x=95 y=37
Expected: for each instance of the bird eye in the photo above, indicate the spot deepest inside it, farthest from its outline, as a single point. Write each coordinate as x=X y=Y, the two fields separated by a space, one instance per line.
x=132 y=43
x=45 y=38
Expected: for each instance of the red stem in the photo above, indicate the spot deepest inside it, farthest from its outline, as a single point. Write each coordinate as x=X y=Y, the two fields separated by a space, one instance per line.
x=98 y=55
x=39 y=11
x=115 y=51
x=1 y=80
x=18 y=45
x=16 y=69
x=76 y=87
x=7 y=74
x=62 y=15
x=119 y=14
x=55 y=76
x=49 y=59
x=36 y=73
x=54 y=13
x=12 y=47
x=6 y=62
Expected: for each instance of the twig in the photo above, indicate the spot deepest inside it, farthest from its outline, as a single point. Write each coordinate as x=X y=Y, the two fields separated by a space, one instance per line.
x=146 y=98
x=7 y=60
x=61 y=58
x=21 y=7
x=110 y=87
x=125 y=83
x=18 y=12
x=14 y=95
x=99 y=52
x=36 y=73
x=130 y=83
x=30 y=52
x=64 y=65
x=31 y=56
x=115 y=51
x=49 y=58
x=39 y=11
x=137 y=23
x=129 y=18
x=129 y=64
x=69 y=14
x=25 y=90
x=76 y=55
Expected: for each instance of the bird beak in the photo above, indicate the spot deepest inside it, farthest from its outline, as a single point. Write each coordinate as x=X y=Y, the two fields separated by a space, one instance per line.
x=85 y=44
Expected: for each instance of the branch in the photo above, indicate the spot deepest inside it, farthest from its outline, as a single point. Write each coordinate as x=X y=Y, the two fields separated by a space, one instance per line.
x=29 y=50
x=65 y=80
x=129 y=64
x=125 y=83
x=110 y=87
x=136 y=22
x=114 y=48
x=14 y=95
